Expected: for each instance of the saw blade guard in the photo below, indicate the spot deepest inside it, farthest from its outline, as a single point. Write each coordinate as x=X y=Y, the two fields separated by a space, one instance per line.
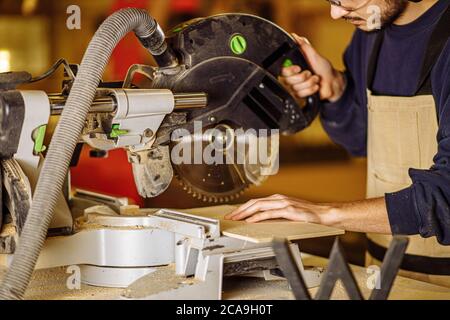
x=247 y=37
x=236 y=60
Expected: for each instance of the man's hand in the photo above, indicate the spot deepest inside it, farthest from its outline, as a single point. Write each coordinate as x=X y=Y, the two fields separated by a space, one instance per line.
x=326 y=80
x=360 y=216
x=282 y=207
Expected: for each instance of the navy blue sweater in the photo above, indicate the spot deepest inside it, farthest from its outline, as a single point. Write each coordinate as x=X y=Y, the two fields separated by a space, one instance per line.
x=423 y=208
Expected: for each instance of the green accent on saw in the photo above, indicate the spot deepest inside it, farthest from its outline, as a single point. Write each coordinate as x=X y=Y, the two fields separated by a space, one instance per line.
x=176 y=30
x=39 y=140
x=238 y=44
x=181 y=27
x=288 y=63
x=117 y=132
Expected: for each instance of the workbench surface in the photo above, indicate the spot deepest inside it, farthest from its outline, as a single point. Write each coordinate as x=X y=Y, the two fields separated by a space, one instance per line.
x=51 y=285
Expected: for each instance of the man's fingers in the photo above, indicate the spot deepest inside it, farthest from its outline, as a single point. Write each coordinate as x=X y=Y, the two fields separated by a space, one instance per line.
x=278 y=196
x=308 y=51
x=268 y=215
x=290 y=71
x=307 y=92
x=251 y=202
x=274 y=207
x=260 y=206
x=302 y=85
x=240 y=209
x=300 y=40
x=298 y=78
x=291 y=213
x=311 y=82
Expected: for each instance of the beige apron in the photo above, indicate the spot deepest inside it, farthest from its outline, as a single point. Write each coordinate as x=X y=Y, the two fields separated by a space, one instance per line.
x=401 y=135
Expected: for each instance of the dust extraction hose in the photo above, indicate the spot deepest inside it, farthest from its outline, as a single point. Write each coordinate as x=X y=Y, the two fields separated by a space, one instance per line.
x=67 y=133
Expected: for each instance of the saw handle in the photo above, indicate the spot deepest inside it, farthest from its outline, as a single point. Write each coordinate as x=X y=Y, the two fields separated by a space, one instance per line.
x=312 y=106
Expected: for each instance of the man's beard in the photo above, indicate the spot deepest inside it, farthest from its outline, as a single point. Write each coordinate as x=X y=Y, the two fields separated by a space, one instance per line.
x=390 y=12
x=394 y=9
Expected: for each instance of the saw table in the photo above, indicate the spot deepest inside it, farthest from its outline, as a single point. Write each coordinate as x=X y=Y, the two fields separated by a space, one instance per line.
x=193 y=250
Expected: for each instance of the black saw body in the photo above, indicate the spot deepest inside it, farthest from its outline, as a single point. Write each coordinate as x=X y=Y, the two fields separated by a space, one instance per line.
x=241 y=82
x=236 y=59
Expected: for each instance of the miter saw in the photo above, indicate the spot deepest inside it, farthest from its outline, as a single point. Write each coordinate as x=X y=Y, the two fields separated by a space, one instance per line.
x=220 y=72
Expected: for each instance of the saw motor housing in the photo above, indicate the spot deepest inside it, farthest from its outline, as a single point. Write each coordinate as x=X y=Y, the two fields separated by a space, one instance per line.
x=236 y=59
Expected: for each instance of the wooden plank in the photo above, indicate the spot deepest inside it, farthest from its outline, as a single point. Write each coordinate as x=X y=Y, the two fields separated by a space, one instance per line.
x=266 y=231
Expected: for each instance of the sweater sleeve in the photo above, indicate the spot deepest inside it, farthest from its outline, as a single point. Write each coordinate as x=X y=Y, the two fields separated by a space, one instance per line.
x=424 y=207
x=345 y=120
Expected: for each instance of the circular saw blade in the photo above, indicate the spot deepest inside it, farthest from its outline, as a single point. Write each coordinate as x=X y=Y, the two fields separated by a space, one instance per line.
x=225 y=181
x=212 y=183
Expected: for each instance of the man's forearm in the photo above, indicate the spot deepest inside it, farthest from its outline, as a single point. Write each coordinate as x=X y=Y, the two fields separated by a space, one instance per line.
x=362 y=216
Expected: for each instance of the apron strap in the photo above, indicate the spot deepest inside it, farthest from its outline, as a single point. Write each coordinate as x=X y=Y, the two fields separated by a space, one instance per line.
x=436 y=44
x=373 y=60
x=413 y=263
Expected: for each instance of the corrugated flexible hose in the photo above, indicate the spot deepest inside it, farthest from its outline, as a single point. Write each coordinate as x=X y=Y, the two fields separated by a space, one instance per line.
x=66 y=137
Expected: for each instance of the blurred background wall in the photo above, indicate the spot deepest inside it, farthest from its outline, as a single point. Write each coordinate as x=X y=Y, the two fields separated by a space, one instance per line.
x=33 y=34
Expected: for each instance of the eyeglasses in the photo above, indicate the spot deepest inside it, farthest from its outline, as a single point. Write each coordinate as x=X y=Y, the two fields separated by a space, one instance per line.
x=338 y=3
